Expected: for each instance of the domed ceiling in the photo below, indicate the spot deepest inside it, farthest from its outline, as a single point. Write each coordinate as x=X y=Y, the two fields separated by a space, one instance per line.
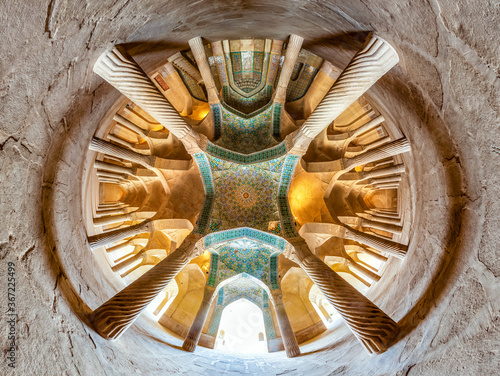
x=191 y=179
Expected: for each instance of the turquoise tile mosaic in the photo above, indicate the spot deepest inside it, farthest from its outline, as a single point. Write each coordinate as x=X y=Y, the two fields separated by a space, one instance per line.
x=245 y=106
x=245 y=195
x=274 y=282
x=287 y=220
x=269 y=324
x=277 y=107
x=244 y=256
x=299 y=85
x=216 y=238
x=193 y=87
x=213 y=327
x=203 y=222
x=216 y=115
x=214 y=268
x=246 y=135
x=260 y=156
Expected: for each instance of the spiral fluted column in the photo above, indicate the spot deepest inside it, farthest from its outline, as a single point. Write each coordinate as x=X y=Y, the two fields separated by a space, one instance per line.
x=105 y=147
x=370 y=324
x=292 y=53
x=120 y=70
x=388 y=150
x=110 y=219
x=393 y=229
x=112 y=318
x=367 y=66
x=388 y=171
x=395 y=249
x=114 y=168
x=106 y=238
x=194 y=333
x=200 y=56
x=287 y=335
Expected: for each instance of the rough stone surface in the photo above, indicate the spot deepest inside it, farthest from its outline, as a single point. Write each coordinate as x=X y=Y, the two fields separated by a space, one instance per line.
x=443 y=96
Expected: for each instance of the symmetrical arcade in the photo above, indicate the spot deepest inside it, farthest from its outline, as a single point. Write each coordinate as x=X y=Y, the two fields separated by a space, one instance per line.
x=247 y=169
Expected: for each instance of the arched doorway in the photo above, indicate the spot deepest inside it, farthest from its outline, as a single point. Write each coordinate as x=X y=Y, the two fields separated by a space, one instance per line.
x=241 y=329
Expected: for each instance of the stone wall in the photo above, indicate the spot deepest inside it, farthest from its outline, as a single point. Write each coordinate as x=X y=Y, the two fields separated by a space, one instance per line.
x=443 y=96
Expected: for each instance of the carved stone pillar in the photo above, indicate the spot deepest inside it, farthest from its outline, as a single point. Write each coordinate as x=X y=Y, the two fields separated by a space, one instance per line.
x=378 y=218
x=124 y=122
x=287 y=335
x=393 y=229
x=101 y=240
x=114 y=168
x=194 y=333
x=119 y=69
x=101 y=213
x=363 y=271
x=292 y=53
x=105 y=147
x=111 y=175
x=112 y=318
x=181 y=63
x=110 y=219
x=395 y=249
x=388 y=150
x=370 y=324
x=118 y=247
x=388 y=171
x=381 y=187
x=200 y=56
x=367 y=66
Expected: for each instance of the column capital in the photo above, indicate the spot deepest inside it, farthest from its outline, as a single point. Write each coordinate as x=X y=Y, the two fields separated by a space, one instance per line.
x=194 y=142
x=192 y=246
x=297 y=250
x=297 y=142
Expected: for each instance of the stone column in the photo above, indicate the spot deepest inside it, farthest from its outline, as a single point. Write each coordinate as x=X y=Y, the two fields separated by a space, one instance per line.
x=101 y=240
x=194 y=333
x=395 y=249
x=105 y=147
x=110 y=219
x=180 y=62
x=386 y=179
x=114 y=168
x=370 y=324
x=388 y=150
x=130 y=126
x=393 y=229
x=102 y=179
x=122 y=265
x=362 y=270
x=119 y=69
x=200 y=56
x=118 y=247
x=103 y=212
x=364 y=128
x=115 y=205
x=292 y=53
x=111 y=175
x=376 y=255
x=287 y=335
x=368 y=65
x=388 y=171
x=378 y=218
x=112 y=318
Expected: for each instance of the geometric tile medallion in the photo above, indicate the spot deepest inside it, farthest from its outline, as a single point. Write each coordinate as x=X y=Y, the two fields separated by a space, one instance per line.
x=245 y=195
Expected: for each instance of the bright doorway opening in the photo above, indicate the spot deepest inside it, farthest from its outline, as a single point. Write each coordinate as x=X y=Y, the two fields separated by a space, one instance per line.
x=241 y=329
